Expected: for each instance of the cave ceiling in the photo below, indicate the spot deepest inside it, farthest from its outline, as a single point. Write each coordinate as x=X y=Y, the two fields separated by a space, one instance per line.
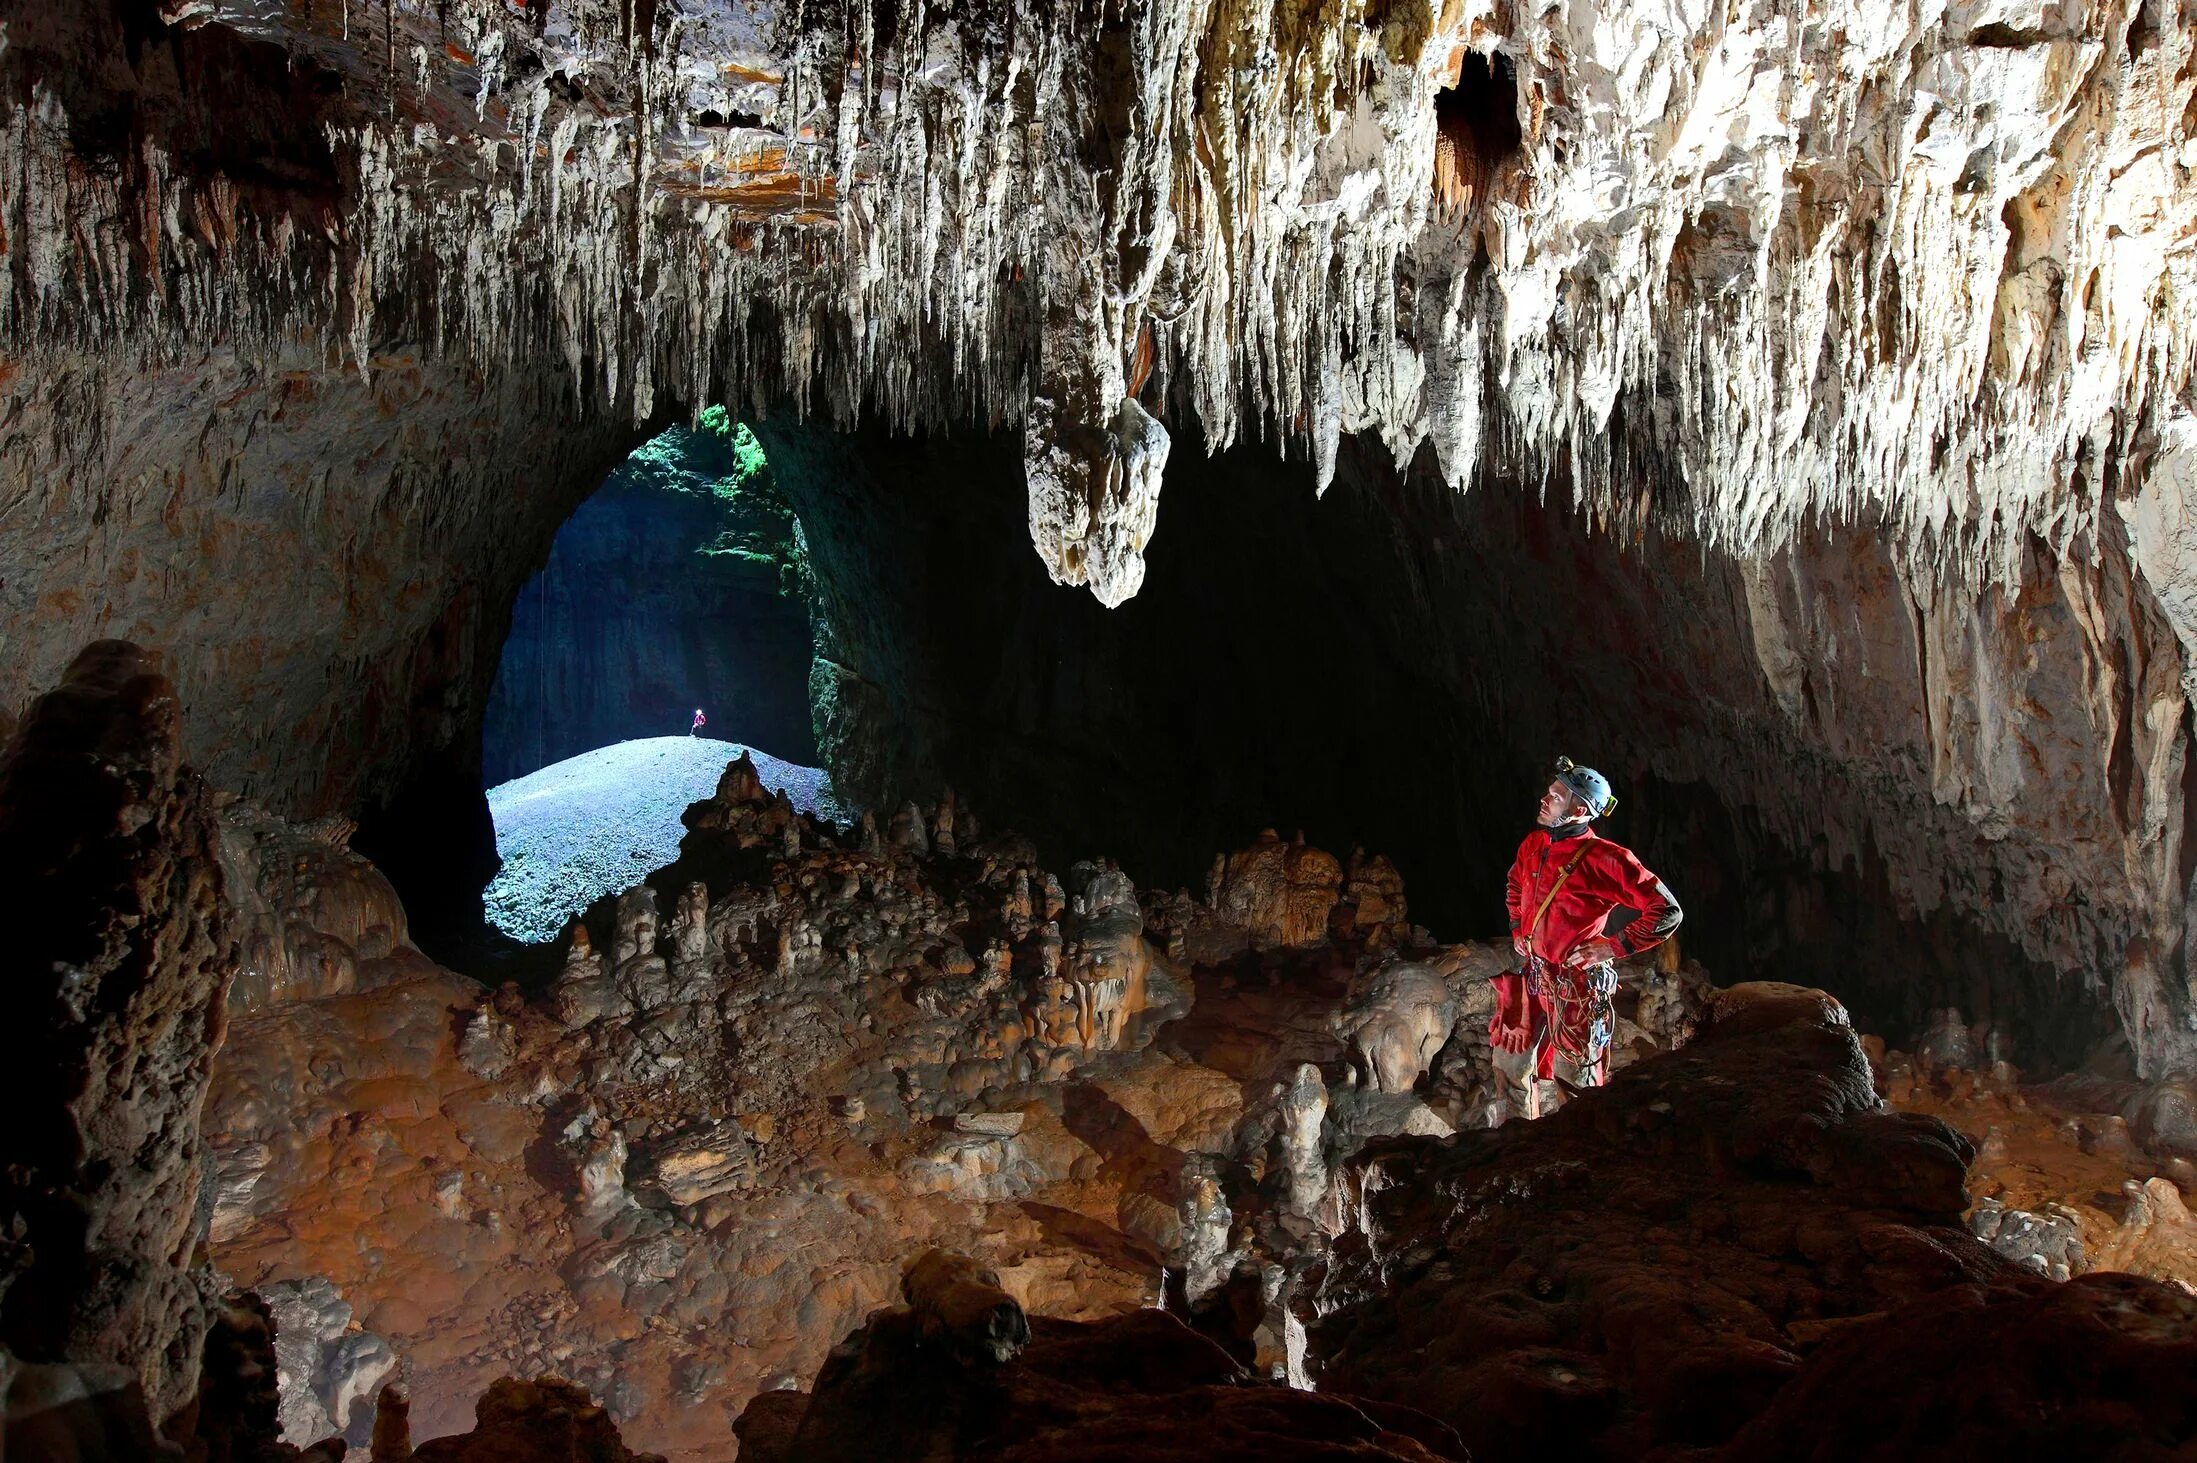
x=1745 y=266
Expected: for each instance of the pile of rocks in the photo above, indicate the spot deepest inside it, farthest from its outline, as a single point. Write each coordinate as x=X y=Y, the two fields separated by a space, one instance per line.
x=695 y=1160
x=2085 y=1171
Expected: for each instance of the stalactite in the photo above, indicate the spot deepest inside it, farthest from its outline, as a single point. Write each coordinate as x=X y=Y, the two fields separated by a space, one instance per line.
x=1920 y=287
x=1745 y=281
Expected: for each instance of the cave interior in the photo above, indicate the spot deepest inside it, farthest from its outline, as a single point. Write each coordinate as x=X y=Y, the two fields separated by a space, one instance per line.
x=796 y=732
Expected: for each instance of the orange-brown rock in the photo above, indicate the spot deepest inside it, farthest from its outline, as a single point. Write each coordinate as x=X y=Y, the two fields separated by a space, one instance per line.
x=1654 y=1266
x=2062 y=1181
x=120 y=965
x=1279 y=893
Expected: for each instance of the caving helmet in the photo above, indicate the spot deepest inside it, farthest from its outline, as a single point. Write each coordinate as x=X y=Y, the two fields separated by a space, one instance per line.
x=1587 y=785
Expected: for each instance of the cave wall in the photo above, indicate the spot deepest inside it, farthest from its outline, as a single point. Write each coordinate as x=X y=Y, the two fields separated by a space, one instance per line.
x=324 y=564
x=631 y=625
x=1913 y=797
x=1935 y=301
x=117 y=991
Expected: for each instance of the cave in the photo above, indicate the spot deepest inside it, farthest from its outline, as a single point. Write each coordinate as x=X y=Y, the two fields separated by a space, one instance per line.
x=684 y=578
x=681 y=579
x=1411 y=714
x=1325 y=636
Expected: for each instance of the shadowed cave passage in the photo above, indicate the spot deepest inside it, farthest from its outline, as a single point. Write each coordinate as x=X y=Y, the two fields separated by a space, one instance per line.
x=1476 y=126
x=1392 y=665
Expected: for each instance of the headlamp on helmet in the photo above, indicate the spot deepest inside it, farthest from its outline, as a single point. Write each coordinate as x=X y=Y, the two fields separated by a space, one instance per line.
x=1587 y=785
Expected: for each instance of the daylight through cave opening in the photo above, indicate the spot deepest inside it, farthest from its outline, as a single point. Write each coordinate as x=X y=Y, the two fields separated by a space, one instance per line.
x=670 y=628
x=1795 y=422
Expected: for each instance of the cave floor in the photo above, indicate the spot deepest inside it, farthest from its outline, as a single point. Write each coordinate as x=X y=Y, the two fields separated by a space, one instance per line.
x=694 y=1163
x=2056 y=1161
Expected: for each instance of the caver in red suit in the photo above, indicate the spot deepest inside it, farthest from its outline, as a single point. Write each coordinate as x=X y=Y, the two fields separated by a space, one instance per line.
x=1578 y=902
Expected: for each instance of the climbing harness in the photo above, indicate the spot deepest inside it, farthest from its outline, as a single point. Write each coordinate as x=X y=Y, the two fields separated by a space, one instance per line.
x=1546 y=1000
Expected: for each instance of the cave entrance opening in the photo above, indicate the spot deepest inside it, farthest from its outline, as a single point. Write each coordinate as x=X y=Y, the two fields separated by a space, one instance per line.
x=670 y=629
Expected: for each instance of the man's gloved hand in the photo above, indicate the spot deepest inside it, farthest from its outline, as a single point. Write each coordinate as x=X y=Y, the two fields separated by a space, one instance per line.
x=1520 y=945
x=1596 y=951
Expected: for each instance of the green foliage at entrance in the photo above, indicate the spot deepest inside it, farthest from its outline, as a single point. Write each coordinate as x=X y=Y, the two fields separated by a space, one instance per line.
x=720 y=457
x=747 y=454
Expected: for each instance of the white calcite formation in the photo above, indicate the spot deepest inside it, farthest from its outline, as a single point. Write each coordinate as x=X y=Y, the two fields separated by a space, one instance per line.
x=1891 y=307
x=1760 y=264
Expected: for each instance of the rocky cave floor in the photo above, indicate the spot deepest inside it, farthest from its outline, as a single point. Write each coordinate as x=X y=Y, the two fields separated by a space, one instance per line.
x=803 y=1055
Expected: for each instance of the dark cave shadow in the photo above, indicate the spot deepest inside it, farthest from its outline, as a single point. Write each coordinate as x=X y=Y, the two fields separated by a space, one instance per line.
x=1127 y=1153
x=1070 y=1230
x=1272 y=992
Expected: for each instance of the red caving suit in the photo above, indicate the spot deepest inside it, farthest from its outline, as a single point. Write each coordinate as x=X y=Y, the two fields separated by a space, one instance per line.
x=1559 y=1005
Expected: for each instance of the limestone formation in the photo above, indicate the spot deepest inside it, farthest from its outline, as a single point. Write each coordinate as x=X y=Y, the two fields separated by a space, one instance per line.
x=2062 y=1183
x=1279 y=893
x=742 y=1123
x=1540 y=1277
x=328 y=1371
x=698 y=1166
x=1303 y=1108
x=1400 y=1015
x=123 y=961
x=1257 y=217
x=313 y=918
x=1792 y=408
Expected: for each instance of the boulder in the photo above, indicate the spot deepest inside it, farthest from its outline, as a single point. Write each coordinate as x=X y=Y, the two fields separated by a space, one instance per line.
x=121 y=962
x=697 y=1166
x=1628 y=1273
